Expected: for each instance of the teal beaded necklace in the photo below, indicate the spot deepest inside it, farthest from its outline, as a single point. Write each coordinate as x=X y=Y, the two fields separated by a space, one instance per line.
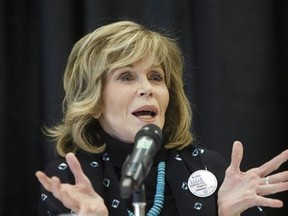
x=159 y=195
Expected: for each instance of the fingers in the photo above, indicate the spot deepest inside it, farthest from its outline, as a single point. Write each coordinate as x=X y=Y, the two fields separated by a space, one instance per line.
x=273 y=188
x=273 y=164
x=75 y=168
x=269 y=202
x=237 y=155
x=44 y=180
x=56 y=187
x=53 y=182
x=50 y=184
x=277 y=183
x=278 y=177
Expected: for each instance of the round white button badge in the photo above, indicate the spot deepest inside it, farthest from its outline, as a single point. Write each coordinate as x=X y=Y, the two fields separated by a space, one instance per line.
x=202 y=183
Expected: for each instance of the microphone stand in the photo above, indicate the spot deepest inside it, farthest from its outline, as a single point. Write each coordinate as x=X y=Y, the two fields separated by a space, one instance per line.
x=127 y=187
x=139 y=201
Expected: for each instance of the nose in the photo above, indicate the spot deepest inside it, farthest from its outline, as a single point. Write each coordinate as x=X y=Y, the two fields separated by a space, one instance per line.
x=144 y=92
x=145 y=89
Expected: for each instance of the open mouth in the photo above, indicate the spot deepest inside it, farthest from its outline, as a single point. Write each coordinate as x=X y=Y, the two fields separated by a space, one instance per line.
x=146 y=113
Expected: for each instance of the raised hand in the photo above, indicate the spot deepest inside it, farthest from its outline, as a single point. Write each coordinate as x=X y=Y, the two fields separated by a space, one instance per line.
x=242 y=190
x=81 y=197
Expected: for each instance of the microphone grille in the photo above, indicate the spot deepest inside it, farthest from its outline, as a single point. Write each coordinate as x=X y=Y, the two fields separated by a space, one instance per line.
x=152 y=131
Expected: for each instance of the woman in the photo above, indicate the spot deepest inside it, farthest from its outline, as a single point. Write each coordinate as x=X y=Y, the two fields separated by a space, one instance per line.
x=118 y=79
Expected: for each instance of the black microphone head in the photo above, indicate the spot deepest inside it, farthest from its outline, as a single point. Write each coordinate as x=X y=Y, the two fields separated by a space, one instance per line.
x=152 y=131
x=148 y=141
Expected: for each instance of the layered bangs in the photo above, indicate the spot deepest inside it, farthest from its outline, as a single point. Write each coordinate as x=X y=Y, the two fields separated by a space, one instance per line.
x=137 y=45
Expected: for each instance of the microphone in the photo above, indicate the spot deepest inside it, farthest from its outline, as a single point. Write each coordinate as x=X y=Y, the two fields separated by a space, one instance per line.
x=136 y=167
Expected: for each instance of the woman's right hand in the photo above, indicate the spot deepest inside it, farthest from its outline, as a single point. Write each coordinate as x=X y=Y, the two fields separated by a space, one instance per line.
x=81 y=197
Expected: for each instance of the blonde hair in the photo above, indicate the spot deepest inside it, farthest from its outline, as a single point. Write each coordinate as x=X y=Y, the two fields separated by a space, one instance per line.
x=92 y=58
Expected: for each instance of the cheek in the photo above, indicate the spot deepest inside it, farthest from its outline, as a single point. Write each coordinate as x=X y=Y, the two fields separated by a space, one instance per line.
x=166 y=98
x=164 y=101
x=114 y=103
x=110 y=97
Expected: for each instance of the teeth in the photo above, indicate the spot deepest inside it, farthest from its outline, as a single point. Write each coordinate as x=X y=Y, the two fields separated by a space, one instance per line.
x=145 y=117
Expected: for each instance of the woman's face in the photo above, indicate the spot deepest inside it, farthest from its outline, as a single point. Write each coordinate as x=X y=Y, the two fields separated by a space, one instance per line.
x=134 y=96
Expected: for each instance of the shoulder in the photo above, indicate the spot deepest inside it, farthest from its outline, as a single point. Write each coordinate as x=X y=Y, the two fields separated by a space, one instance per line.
x=198 y=157
x=207 y=156
x=213 y=157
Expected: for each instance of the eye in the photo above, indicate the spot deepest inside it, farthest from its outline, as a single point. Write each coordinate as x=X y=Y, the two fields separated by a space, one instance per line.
x=126 y=76
x=156 y=76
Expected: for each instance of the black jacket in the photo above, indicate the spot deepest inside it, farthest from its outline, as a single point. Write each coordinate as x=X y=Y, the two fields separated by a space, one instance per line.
x=104 y=171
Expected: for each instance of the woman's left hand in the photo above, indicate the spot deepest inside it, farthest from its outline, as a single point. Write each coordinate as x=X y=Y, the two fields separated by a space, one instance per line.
x=242 y=190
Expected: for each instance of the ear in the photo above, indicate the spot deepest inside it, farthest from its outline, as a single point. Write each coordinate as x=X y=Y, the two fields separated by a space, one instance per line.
x=97 y=114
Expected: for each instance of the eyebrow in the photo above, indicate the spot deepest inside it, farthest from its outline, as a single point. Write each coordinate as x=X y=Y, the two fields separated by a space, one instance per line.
x=132 y=66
